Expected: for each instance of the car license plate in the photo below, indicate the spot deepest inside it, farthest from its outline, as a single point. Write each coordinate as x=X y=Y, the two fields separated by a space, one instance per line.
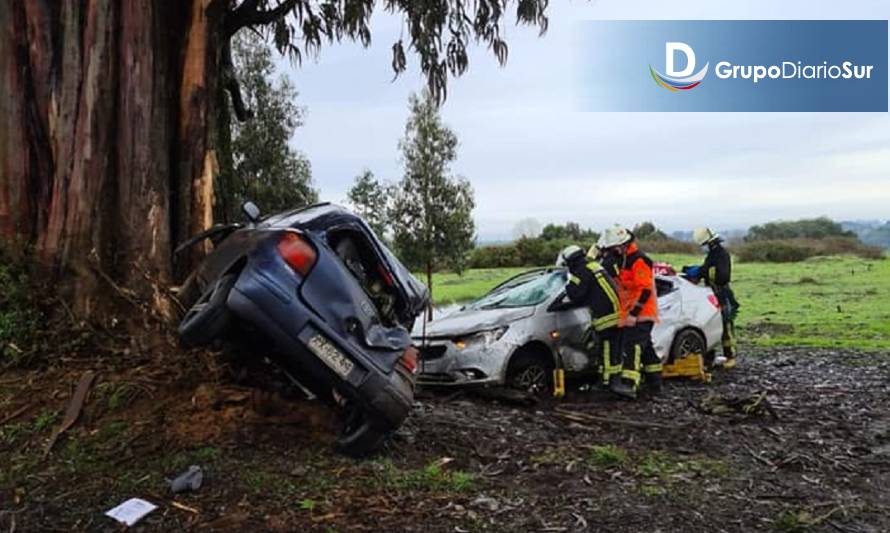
x=331 y=356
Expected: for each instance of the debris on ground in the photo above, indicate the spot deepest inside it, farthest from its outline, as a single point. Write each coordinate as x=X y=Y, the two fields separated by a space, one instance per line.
x=191 y=479
x=751 y=405
x=131 y=511
x=74 y=408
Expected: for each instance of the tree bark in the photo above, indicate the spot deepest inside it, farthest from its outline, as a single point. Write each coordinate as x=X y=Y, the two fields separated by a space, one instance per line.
x=105 y=157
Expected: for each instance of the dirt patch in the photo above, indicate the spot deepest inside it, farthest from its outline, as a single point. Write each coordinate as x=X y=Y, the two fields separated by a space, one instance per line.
x=714 y=458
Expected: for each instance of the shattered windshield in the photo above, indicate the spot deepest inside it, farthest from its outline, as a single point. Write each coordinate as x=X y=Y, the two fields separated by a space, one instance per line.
x=532 y=292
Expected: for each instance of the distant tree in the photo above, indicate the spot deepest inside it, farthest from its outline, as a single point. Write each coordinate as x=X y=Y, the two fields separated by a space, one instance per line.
x=370 y=199
x=879 y=236
x=432 y=211
x=648 y=231
x=257 y=162
x=571 y=230
x=812 y=228
x=527 y=227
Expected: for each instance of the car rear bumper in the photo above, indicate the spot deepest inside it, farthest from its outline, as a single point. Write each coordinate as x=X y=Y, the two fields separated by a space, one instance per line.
x=274 y=307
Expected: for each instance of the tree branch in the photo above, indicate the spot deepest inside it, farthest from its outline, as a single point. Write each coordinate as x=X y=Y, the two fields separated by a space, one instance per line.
x=247 y=15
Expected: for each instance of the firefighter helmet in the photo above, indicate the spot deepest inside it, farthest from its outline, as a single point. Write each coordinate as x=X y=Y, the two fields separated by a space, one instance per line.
x=568 y=254
x=703 y=236
x=616 y=235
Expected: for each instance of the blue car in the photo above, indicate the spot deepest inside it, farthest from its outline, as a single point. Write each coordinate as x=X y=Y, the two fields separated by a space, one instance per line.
x=334 y=305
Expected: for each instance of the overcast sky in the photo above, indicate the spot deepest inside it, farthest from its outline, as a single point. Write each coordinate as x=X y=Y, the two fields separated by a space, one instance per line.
x=530 y=152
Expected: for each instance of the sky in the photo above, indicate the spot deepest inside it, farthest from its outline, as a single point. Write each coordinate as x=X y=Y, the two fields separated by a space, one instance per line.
x=530 y=152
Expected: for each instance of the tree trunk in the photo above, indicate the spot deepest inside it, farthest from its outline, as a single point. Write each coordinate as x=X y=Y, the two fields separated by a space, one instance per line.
x=105 y=157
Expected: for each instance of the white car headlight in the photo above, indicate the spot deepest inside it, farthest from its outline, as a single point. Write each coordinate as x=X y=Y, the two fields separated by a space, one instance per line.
x=483 y=338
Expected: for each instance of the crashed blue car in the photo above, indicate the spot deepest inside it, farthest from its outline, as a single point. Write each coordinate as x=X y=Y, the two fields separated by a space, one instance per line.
x=327 y=298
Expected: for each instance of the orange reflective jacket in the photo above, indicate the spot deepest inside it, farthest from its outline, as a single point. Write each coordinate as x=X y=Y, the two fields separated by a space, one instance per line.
x=637 y=286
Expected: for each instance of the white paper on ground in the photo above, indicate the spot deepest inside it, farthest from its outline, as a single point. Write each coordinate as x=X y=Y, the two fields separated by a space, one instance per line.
x=131 y=511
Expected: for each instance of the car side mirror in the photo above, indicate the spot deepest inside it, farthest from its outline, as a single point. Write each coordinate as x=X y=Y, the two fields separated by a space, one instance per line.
x=251 y=211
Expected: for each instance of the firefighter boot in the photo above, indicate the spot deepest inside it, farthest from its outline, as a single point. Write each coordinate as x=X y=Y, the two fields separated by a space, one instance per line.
x=623 y=388
x=653 y=383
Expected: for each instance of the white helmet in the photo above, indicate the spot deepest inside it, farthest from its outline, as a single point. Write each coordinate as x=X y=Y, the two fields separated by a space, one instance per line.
x=614 y=236
x=567 y=254
x=703 y=236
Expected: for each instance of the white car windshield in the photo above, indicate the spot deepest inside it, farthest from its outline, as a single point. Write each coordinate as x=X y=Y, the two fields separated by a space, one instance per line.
x=532 y=292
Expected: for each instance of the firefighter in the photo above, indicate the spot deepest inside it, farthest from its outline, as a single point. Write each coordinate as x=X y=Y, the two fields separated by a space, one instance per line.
x=638 y=314
x=716 y=271
x=590 y=285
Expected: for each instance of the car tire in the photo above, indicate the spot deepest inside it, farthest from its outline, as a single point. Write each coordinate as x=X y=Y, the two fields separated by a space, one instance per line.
x=530 y=371
x=208 y=317
x=358 y=437
x=686 y=342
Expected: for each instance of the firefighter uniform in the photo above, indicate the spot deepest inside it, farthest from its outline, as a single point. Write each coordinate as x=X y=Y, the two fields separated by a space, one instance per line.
x=717 y=273
x=639 y=313
x=590 y=285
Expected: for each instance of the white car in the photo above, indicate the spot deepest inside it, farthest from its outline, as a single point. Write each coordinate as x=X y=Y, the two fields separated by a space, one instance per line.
x=522 y=329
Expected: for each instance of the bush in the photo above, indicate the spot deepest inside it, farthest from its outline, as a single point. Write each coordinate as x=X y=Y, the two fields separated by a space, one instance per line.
x=792 y=250
x=807 y=228
x=20 y=318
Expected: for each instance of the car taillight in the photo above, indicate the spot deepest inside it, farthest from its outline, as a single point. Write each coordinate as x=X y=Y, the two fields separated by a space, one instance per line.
x=297 y=253
x=409 y=359
x=714 y=301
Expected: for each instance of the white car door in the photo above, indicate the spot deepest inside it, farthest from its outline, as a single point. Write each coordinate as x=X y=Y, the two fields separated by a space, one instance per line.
x=670 y=313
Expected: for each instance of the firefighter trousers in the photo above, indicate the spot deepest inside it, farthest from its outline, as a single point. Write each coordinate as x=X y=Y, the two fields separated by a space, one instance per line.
x=639 y=354
x=610 y=353
x=729 y=310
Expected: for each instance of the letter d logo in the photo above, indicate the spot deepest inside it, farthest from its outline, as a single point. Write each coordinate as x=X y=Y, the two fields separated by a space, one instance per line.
x=674 y=80
x=669 y=52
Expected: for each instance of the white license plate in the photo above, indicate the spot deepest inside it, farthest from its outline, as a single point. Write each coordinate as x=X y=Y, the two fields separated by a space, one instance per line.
x=331 y=356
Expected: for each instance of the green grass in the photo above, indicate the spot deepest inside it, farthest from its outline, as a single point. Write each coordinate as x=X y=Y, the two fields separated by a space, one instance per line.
x=607 y=456
x=449 y=287
x=432 y=478
x=841 y=302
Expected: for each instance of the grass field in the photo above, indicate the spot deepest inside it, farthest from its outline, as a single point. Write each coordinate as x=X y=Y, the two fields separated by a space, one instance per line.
x=824 y=301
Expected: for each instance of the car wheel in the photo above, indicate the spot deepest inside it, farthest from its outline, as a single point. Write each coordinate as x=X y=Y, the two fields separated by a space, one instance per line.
x=687 y=342
x=209 y=317
x=531 y=372
x=358 y=437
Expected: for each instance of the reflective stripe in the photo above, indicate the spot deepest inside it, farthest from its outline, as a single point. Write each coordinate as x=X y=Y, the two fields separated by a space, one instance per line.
x=638 y=351
x=712 y=274
x=609 y=369
x=607 y=288
x=605 y=321
x=632 y=375
x=574 y=279
x=652 y=368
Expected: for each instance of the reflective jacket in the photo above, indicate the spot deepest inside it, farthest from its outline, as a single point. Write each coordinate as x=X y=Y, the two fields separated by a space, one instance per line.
x=717 y=268
x=590 y=285
x=636 y=284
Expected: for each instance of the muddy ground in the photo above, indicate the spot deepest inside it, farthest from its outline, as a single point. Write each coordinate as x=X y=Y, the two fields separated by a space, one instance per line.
x=792 y=439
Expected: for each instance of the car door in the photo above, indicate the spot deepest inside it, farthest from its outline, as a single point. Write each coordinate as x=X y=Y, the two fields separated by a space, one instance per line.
x=573 y=327
x=670 y=314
